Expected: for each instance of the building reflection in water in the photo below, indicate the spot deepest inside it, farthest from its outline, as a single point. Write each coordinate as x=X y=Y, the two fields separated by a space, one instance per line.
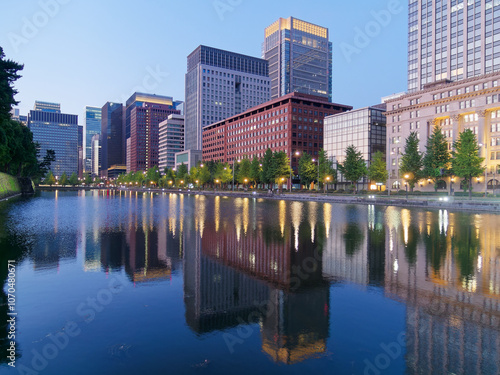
x=246 y=270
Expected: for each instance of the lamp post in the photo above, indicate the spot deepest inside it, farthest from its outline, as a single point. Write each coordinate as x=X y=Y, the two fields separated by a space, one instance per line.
x=396 y=142
x=327 y=181
x=485 y=169
x=297 y=153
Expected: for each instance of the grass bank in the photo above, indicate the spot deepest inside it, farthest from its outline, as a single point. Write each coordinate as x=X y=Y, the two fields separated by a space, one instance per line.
x=8 y=186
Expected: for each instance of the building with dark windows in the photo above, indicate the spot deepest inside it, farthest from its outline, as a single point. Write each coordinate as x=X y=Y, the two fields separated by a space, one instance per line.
x=56 y=131
x=451 y=40
x=300 y=58
x=364 y=128
x=171 y=140
x=292 y=123
x=112 y=140
x=221 y=84
x=144 y=113
x=92 y=127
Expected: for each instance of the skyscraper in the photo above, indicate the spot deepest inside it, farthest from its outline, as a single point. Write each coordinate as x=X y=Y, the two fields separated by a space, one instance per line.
x=220 y=84
x=92 y=127
x=171 y=140
x=144 y=112
x=113 y=136
x=451 y=40
x=300 y=58
x=56 y=131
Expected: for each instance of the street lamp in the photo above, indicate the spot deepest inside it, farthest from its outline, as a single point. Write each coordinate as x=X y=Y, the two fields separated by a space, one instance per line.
x=406 y=184
x=297 y=153
x=327 y=181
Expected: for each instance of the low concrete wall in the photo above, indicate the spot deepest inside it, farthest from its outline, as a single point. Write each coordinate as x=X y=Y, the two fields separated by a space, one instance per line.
x=8 y=186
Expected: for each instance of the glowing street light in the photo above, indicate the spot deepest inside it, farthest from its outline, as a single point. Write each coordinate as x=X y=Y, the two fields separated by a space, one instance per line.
x=297 y=153
x=406 y=176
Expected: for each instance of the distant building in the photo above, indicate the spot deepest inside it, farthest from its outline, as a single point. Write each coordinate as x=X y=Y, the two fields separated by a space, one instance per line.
x=18 y=117
x=171 y=140
x=300 y=58
x=454 y=106
x=92 y=127
x=190 y=158
x=364 y=128
x=292 y=123
x=144 y=113
x=451 y=41
x=221 y=84
x=112 y=141
x=81 y=160
x=56 y=131
x=95 y=154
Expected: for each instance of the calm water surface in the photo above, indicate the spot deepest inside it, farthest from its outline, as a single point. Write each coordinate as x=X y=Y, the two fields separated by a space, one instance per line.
x=171 y=284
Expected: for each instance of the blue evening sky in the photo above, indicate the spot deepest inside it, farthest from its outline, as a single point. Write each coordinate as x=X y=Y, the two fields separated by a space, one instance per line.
x=88 y=52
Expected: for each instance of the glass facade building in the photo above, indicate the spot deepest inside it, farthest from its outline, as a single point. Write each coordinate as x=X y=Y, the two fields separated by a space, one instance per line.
x=220 y=84
x=452 y=40
x=300 y=58
x=113 y=136
x=56 y=131
x=364 y=128
x=92 y=127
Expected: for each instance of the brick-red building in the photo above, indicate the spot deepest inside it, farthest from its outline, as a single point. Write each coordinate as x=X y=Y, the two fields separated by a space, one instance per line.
x=291 y=123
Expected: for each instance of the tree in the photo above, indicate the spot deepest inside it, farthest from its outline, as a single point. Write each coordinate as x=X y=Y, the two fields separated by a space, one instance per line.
x=354 y=167
x=224 y=173
x=326 y=169
x=377 y=171
x=73 y=180
x=44 y=165
x=182 y=171
x=255 y=170
x=280 y=168
x=203 y=175
x=153 y=176
x=466 y=162
x=50 y=179
x=169 y=176
x=437 y=158
x=411 y=161
x=267 y=173
x=244 y=171
x=308 y=171
x=64 y=179
x=87 y=179
x=8 y=75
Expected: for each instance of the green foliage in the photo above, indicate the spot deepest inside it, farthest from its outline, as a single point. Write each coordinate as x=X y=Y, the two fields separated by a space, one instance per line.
x=255 y=170
x=377 y=171
x=8 y=75
x=153 y=176
x=244 y=171
x=182 y=171
x=267 y=172
x=326 y=168
x=50 y=179
x=204 y=176
x=411 y=161
x=87 y=179
x=308 y=170
x=437 y=157
x=280 y=167
x=466 y=162
x=63 y=181
x=223 y=173
x=354 y=166
x=73 y=180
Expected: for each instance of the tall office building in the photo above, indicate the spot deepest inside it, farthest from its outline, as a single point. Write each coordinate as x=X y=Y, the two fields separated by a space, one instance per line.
x=300 y=58
x=56 y=131
x=92 y=127
x=451 y=40
x=171 y=140
x=95 y=155
x=144 y=113
x=221 y=84
x=113 y=136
